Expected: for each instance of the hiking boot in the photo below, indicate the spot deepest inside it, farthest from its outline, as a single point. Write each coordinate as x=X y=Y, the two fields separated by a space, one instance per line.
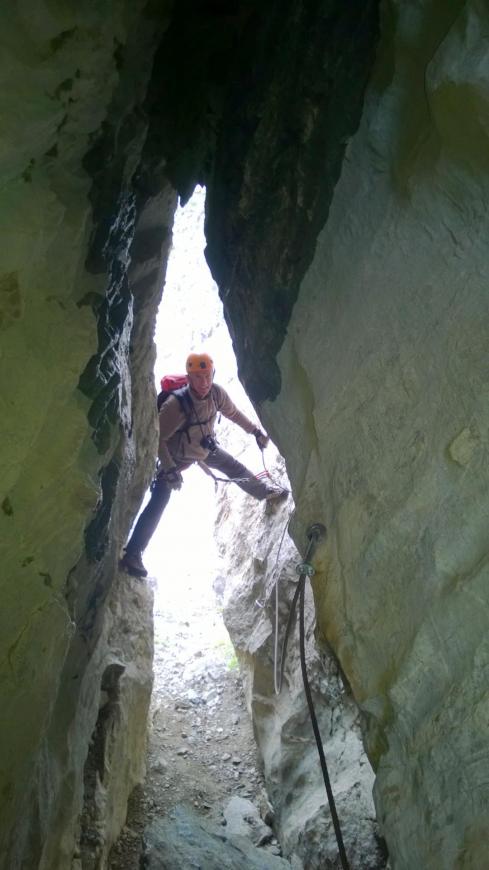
x=277 y=493
x=132 y=563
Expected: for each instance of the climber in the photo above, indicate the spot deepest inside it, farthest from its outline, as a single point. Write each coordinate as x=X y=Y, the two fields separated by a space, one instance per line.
x=186 y=422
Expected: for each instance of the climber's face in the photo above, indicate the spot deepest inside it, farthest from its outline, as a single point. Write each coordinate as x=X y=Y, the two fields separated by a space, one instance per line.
x=201 y=382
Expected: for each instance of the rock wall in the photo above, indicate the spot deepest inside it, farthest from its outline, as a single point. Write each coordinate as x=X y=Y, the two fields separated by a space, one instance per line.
x=382 y=417
x=77 y=433
x=286 y=117
x=344 y=148
x=259 y=560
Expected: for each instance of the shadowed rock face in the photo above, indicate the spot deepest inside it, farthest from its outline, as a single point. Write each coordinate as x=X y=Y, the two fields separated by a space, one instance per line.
x=266 y=99
x=286 y=119
x=77 y=433
x=346 y=164
x=383 y=419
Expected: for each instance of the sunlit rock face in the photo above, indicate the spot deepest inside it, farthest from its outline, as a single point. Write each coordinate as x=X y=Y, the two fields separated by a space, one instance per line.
x=383 y=418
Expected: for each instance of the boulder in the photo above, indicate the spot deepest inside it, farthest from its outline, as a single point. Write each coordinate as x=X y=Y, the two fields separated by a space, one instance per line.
x=183 y=840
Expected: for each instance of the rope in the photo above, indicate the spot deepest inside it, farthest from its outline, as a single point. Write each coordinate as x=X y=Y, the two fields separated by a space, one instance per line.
x=229 y=479
x=278 y=683
x=265 y=471
x=260 y=476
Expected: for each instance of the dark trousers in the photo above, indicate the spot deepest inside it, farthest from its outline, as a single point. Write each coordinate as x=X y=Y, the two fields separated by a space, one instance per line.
x=160 y=496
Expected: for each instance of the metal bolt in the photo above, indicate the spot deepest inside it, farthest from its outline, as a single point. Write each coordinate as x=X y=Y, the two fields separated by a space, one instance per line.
x=305 y=568
x=316 y=532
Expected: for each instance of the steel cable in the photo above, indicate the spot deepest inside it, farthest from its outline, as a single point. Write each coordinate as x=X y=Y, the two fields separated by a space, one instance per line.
x=299 y=594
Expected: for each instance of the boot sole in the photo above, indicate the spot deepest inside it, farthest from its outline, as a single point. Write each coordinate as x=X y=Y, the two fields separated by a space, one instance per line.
x=132 y=571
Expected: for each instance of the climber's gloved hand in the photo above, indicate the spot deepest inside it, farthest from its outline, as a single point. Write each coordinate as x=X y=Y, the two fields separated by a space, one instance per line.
x=172 y=477
x=261 y=439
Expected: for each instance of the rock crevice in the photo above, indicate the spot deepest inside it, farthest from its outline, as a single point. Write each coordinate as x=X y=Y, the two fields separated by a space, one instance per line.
x=343 y=146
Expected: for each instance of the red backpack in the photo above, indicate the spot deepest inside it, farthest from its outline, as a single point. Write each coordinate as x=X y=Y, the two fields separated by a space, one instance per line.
x=171 y=384
x=176 y=385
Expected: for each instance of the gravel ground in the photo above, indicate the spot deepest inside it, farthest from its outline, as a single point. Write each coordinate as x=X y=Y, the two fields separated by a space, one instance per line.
x=201 y=749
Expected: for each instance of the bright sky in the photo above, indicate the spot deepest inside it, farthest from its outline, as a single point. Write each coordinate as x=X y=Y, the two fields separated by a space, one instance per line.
x=182 y=551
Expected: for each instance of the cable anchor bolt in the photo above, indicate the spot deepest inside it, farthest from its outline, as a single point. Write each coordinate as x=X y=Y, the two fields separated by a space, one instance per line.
x=316 y=532
x=305 y=568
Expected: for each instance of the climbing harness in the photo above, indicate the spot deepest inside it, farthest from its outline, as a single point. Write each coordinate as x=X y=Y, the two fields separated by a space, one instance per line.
x=305 y=569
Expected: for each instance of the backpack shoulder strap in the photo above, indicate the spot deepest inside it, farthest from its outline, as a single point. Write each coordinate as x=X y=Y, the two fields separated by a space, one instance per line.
x=182 y=395
x=184 y=401
x=160 y=398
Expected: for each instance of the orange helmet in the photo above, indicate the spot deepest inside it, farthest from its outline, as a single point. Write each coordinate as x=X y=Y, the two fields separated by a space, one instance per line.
x=199 y=362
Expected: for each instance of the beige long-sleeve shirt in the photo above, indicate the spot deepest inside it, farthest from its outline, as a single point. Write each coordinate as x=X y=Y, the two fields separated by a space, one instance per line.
x=179 y=444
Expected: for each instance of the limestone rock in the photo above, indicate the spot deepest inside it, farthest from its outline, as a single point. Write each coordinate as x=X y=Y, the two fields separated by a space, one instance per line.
x=117 y=753
x=183 y=840
x=347 y=224
x=396 y=374
x=281 y=723
x=72 y=426
x=243 y=820
x=383 y=418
